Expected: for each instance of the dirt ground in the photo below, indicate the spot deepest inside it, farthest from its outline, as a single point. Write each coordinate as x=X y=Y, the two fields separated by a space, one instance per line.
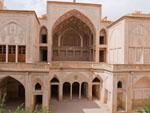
x=78 y=106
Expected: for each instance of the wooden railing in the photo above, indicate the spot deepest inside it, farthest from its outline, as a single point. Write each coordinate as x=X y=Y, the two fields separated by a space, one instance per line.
x=72 y=54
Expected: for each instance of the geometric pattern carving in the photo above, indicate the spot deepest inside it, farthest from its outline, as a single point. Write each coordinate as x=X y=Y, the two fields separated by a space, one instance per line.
x=12 y=33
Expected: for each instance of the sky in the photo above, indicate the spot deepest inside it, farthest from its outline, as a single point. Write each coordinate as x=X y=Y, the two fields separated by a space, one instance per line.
x=113 y=9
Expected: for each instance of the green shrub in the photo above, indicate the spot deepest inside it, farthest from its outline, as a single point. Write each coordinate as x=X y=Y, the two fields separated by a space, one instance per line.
x=2 y=105
x=19 y=109
x=145 y=109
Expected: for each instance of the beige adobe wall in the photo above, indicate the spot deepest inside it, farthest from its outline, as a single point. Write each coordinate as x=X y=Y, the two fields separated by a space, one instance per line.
x=116 y=38
x=126 y=90
x=24 y=27
x=1 y=4
x=43 y=21
x=137 y=41
x=35 y=36
x=57 y=9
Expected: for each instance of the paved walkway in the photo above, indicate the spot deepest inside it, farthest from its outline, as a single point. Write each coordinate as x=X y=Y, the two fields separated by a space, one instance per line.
x=78 y=106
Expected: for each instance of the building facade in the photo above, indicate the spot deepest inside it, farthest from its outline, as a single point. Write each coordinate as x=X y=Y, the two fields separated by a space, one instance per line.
x=72 y=53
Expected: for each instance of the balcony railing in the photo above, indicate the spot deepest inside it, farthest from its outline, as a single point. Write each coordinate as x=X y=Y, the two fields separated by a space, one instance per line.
x=72 y=54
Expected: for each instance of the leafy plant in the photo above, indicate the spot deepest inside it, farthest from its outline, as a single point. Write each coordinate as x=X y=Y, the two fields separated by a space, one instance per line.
x=20 y=109
x=145 y=109
x=2 y=105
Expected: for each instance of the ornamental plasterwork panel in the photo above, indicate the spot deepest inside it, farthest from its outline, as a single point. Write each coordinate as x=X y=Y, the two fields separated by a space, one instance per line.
x=12 y=33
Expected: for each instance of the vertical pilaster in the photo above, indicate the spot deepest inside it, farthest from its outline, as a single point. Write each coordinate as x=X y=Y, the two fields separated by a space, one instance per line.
x=80 y=91
x=6 y=53
x=90 y=91
x=129 y=94
x=29 y=97
x=97 y=47
x=60 y=92
x=46 y=95
x=16 y=53
x=71 y=92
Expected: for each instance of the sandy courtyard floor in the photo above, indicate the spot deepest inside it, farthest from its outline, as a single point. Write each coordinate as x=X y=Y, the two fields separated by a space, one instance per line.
x=78 y=106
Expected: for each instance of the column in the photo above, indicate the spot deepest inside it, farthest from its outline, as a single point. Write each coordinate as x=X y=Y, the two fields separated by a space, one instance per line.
x=129 y=93
x=16 y=53
x=71 y=91
x=79 y=91
x=60 y=92
x=6 y=53
x=46 y=93
x=29 y=97
x=90 y=91
x=97 y=47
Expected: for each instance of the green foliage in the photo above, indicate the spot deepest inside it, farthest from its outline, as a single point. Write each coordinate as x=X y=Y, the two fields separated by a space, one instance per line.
x=2 y=105
x=145 y=109
x=20 y=109
x=41 y=111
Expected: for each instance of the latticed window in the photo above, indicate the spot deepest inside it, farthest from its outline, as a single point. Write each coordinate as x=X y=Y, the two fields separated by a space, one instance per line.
x=21 y=53
x=12 y=49
x=12 y=53
x=2 y=53
x=22 y=50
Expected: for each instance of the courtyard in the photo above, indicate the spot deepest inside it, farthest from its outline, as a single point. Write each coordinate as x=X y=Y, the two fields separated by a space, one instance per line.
x=78 y=106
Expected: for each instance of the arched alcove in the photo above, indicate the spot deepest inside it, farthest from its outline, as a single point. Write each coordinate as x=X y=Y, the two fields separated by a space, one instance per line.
x=66 y=90
x=38 y=86
x=14 y=91
x=96 y=80
x=96 y=85
x=103 y=37
x=54 y=88
x=84 y=90
x=75 y=90
x=54 y=80
x=43 y=35
x=73 y=36
x=119 y=84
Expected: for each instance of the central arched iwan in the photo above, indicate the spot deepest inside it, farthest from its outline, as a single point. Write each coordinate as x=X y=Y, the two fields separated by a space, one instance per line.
x=73 y=38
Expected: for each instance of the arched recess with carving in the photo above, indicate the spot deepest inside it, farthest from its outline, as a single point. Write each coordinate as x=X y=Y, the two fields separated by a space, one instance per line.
x=38 y=86
x=43 y=34
x=121 y=95
x=54 y=84
x=73 y=37
x=13 y=32
x=43 y=40
x=103 y=36
x=96 y=88
x=141 y=92
x=13 y=90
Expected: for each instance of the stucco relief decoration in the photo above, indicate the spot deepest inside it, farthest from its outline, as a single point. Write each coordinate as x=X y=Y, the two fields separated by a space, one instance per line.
x=138 y=36
x=12 y=33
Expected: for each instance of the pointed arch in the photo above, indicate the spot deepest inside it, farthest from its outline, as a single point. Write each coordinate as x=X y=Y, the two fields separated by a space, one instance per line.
x=38 y=86
x=43 y=34
x=103 y=36
x=96 y=80
x=78 y=15
x=119 y=84
x=13 y=90
x=54 y=80
x=78 y=34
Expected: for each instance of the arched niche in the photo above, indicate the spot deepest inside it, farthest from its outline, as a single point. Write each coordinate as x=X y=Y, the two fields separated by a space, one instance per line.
x=38 y=86
x=43 y=34
x=73 y=36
